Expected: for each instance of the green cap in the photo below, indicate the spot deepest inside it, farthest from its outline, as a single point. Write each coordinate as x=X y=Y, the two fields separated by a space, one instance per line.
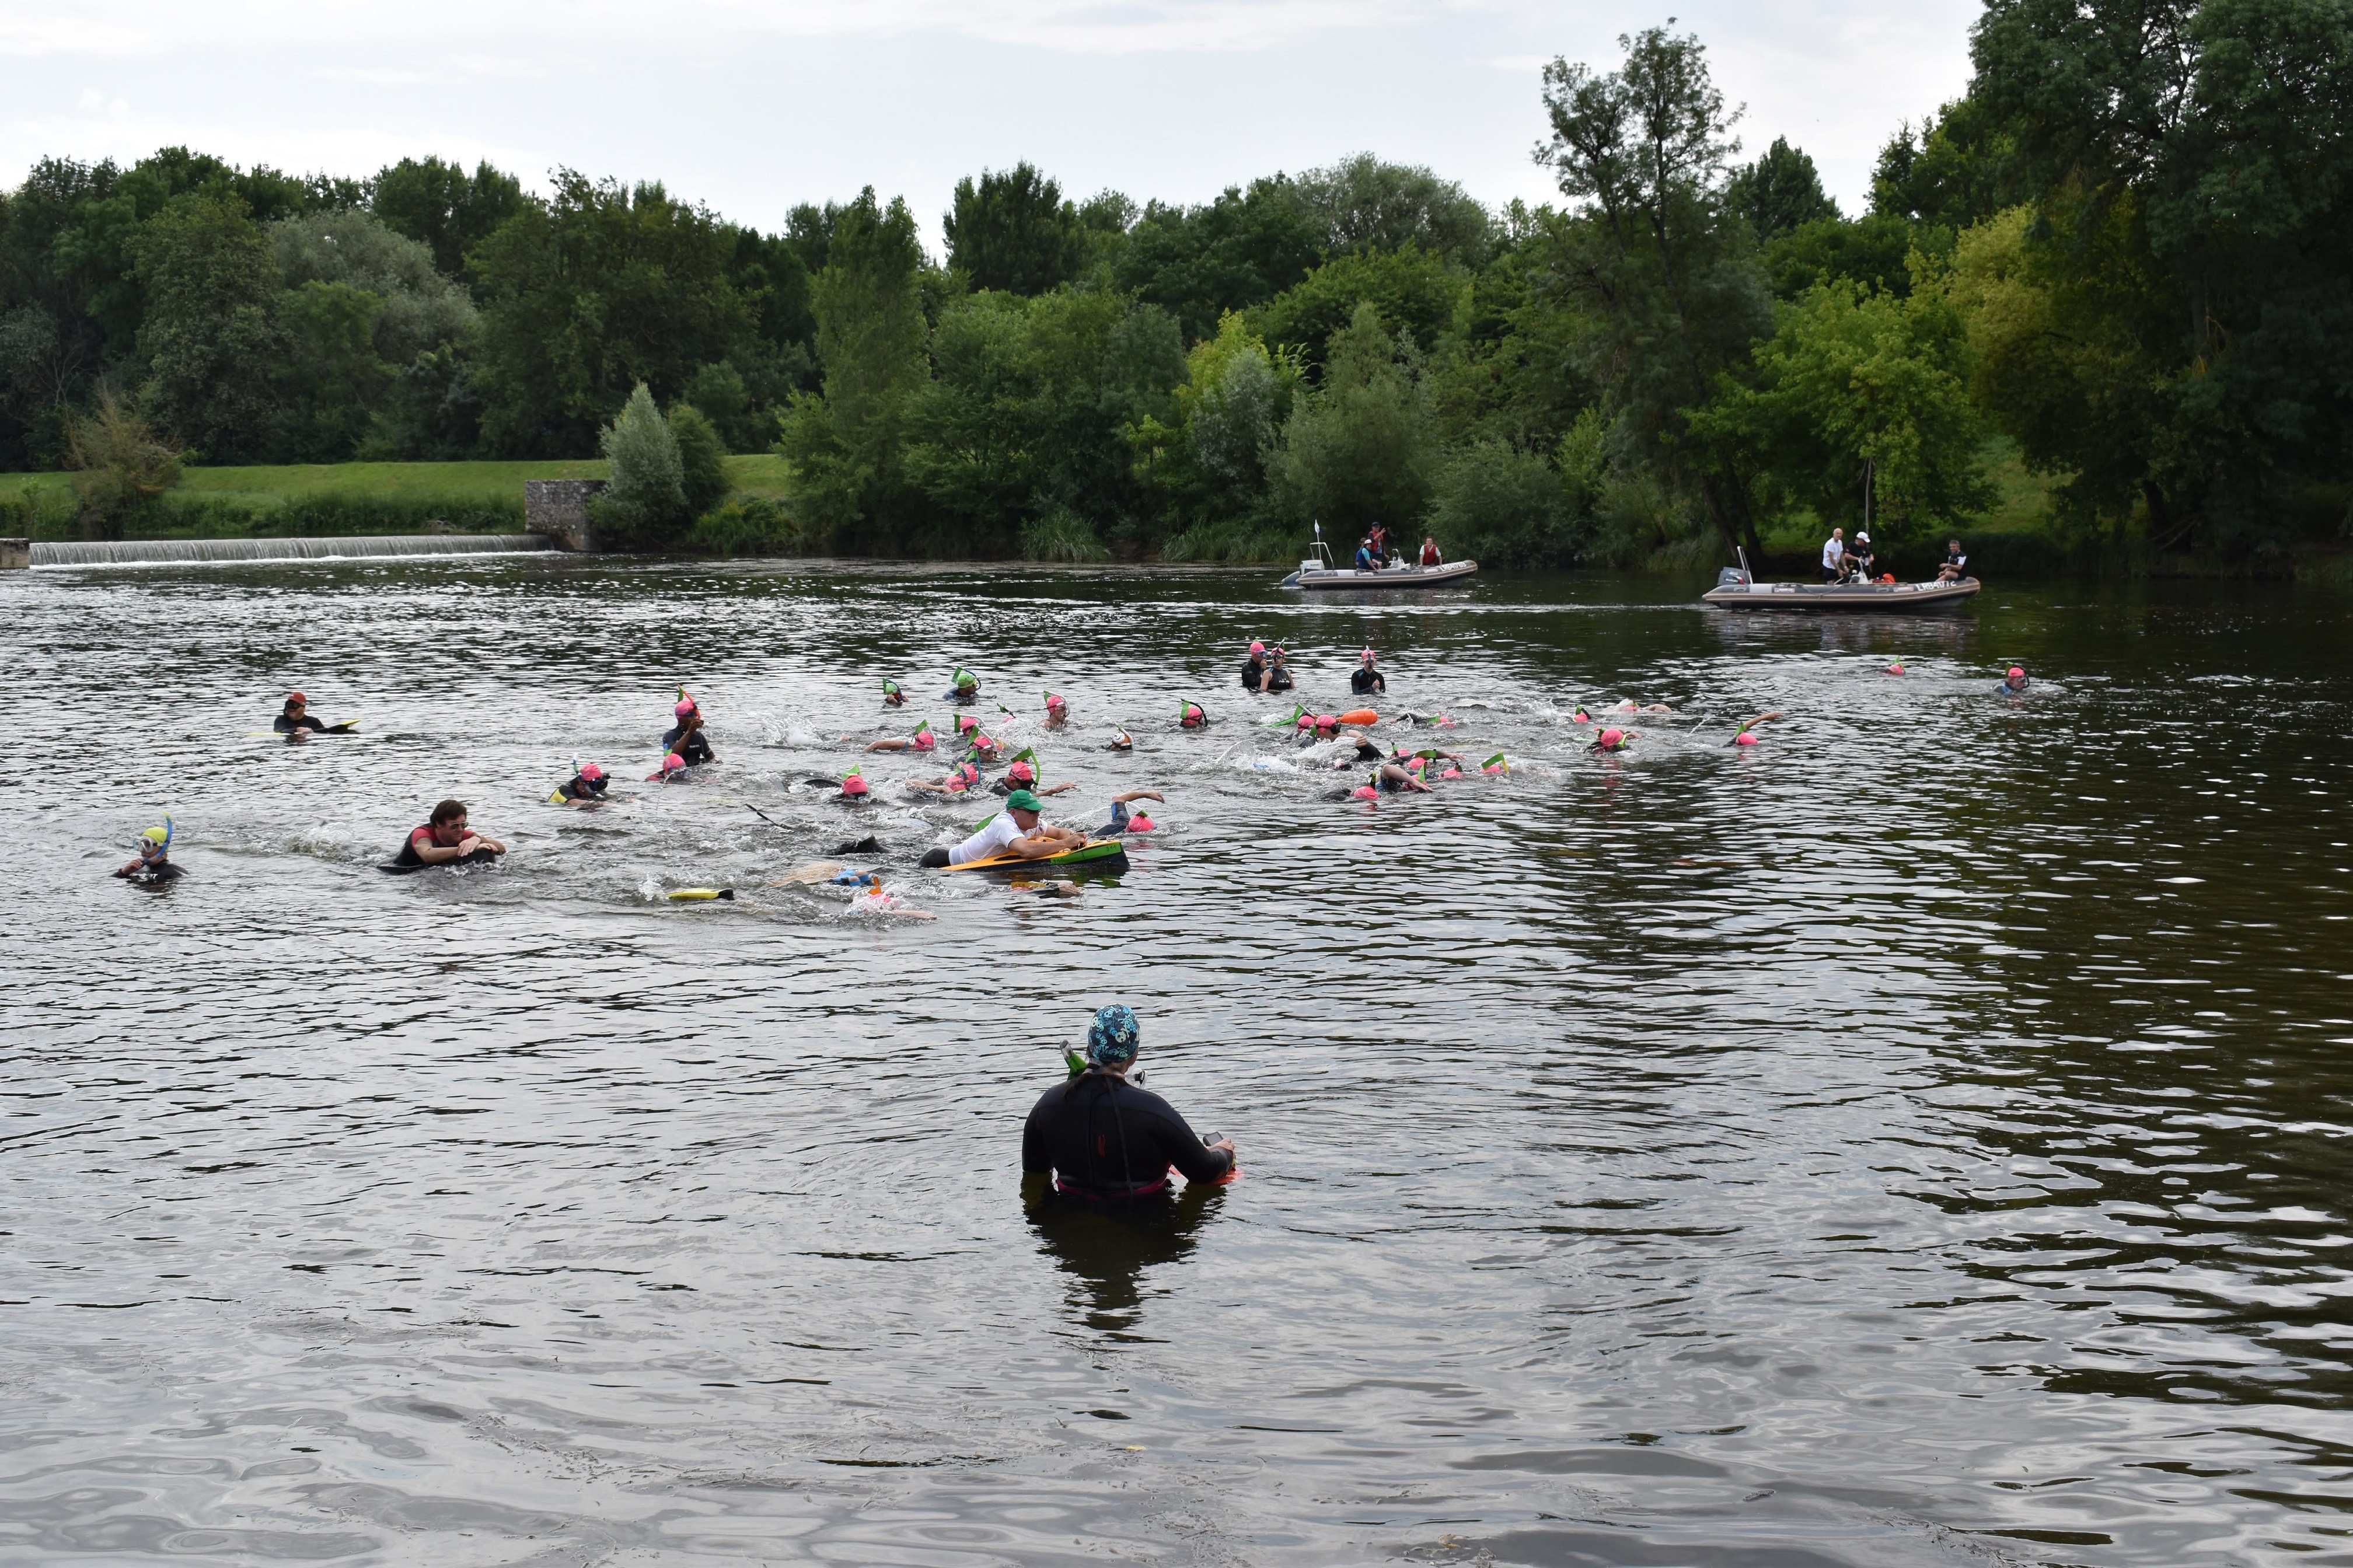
x=889 y=688
x=964 y=677
x=1022 y=800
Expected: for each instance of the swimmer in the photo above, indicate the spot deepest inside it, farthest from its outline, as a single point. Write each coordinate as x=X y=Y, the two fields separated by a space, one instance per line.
x=1018 y=830
x=1278 y=672
x=1389 y=779
x=446 y=840
x=294 y=721
x=1121 y=740
x=586 y=786
x=2012 y=684
x=964 y=685
x=1611 y=740
x=1895 y=668
x=672 y=770
x=922 y=739
x=892 y=696
x=1254 y=669
x=1366 y=678
x=1191 y=716
x=980 y=748
x=1099 y=1138
x=1429 y=757
x=1124 y=821
x=686 y=737
x=1746 y=735
x=1058 y=711
x=1495 y=765
x=855 y=790
x=962 y=781
x=154 y=861
x=1581 y=716
x=1021 y=774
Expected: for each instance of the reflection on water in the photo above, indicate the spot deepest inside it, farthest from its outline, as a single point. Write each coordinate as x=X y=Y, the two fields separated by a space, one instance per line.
x=1918 y=1139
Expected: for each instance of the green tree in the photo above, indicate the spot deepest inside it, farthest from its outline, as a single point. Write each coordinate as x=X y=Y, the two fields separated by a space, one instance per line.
x=1357 y=449
x=443 y=208
x=1362 y=204
x=119 y=467
x=1505 y=506
x=1662 y=274
x=1410 y=286
x=702 y=459
x=1014 y=231
x=600 y=288
x=1875 y=250
x=1950 y=171
x=1780 y=191
x=211 y=341
x=331 y=380
x=645 y=496
x=1236 y=252
x=868 y=304
x=1859 y=390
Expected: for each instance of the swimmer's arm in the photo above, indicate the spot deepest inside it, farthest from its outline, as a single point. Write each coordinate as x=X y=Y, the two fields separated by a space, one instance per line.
x=1053 y=789
x=1136 y=795
x=132 y=866
x=439 y=854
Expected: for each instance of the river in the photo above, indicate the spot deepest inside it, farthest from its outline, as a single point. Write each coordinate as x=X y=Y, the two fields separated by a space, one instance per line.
x=1921 y=1138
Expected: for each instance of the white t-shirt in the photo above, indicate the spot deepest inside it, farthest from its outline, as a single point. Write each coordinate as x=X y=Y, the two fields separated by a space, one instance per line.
x=1833 y=553
x=993 y=838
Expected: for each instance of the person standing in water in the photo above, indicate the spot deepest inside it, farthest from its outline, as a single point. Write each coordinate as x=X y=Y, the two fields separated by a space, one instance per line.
x=1365 y=679
x=1099 y=1137
x=1058 y=711
x=1254 y=669
x=446 y=840
x=154 y=861
x=686 y=737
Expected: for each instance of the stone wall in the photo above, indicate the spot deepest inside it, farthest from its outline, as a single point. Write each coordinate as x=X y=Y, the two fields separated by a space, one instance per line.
x=16 y=554
x=559 y=509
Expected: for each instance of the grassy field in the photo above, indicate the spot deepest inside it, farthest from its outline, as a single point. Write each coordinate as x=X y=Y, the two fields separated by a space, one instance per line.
x=356 y=498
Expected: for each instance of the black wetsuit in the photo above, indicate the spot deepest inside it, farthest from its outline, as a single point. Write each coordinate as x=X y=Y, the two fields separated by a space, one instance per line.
x=1365 y=680
x=1278 y=678
x=286 y=723
x=578 y=788
x=1104 y=1138
x=694 y=748
x=160 y=872
x=409 y=859
x=1253 y=671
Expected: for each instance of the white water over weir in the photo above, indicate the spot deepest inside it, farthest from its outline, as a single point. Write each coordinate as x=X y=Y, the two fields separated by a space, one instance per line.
x=159 y=551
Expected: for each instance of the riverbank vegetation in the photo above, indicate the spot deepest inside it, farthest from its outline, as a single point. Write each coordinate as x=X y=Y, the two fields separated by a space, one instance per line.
x=2101 y=307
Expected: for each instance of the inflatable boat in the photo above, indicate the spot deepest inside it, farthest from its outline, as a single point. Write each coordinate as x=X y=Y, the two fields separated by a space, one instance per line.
x=1736 y=590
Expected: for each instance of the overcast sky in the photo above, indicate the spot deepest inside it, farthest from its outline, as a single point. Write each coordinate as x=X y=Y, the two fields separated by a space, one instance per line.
x=754 y=105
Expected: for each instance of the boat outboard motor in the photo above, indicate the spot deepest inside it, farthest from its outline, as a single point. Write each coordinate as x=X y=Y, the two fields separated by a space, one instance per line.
x=1733 y=577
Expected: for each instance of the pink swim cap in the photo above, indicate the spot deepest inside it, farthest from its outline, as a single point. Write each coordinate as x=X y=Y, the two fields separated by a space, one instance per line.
x=1367 y=792
x=1366 y=654
x=1327 y=720
x=980 y=739
x=853 y=785
x=2015 y=673
x=1021 y=770
x=685 y=706
x=1056 y=704
x=1193 y=711
x=673 y=764
x=1494 y=768
x=1451 y=774
x=592 y=773
x=1743 y=738
x=1611 y=737
x=1307 y=720
x=1140 y=822
x=922 y=740
x=969 y=773
x=966 y=721
x=1258 y=648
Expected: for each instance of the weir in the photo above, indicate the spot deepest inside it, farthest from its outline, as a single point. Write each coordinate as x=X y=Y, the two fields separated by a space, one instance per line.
x=156 y=552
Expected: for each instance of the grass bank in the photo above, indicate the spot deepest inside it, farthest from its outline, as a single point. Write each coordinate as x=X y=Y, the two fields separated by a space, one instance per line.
x=330 y=499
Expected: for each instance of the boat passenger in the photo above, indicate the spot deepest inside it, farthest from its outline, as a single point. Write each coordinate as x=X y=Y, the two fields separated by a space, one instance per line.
x=1365 y=562
x=1099 y=1138
x=1017 y=830
x=586 y=786
x=446 y=840
x=2013 y=684
x=153 y=862
x=892 y=696
x=294 y=721
x=1834 y=556
x=1365 y=678
x=686 y=737
x=1430 y=555
x=1379 y=537
x=1863 y=561
x=922 y=739
x=1254 y=669
x=1956 y=565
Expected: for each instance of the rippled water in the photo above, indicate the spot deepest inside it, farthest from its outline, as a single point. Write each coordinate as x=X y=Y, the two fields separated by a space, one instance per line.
x=1920 y=1139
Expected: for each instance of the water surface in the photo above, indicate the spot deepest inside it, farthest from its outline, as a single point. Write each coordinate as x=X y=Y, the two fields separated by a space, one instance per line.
x=1920 y=1139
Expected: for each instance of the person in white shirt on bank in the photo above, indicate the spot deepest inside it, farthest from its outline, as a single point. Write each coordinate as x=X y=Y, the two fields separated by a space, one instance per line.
x=1017 y=830
x=1834 y=555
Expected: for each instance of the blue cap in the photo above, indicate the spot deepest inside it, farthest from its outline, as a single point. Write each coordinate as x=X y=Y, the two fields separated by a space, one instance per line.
x=1112 y=1037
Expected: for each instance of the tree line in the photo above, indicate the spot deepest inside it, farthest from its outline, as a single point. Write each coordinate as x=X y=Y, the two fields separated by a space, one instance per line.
x=2121 y=259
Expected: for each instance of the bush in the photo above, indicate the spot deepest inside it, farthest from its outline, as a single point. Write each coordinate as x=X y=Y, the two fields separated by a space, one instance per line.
x=1061 y=534
x=701 y=459
x=118 y=467
x=1240 y=540
x=1504 y=507
x=749 y=525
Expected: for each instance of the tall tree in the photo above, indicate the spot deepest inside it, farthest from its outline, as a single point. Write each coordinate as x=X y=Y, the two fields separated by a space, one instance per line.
x=442 y=207
x=1780 y=191
x=211 y=341
x=1237 y=251
x=1363 y=203
x=1665 y=273
x=1014 y=231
